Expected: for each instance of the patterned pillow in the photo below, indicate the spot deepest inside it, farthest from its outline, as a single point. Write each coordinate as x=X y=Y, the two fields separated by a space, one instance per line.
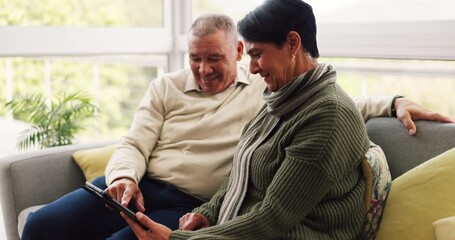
x=378 y=182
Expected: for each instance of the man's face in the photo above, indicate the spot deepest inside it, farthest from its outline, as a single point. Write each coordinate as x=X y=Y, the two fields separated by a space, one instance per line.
x=213 y=60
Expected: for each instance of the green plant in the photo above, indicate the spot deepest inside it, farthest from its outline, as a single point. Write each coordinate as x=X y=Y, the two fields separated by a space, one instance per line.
x=55 y=122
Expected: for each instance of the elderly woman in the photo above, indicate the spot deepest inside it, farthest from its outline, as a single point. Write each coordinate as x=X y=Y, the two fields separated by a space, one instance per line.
x=296 y=172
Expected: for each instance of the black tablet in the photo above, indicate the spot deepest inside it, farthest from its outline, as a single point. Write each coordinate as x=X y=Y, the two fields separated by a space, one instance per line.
x=95 y=191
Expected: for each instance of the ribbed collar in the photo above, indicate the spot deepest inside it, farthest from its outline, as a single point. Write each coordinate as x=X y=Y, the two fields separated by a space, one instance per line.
x=298 y=90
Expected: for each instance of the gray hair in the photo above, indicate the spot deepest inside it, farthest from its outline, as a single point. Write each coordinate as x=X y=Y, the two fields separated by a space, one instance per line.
x=210 y=23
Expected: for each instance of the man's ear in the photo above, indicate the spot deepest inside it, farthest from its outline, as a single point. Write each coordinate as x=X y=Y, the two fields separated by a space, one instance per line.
x=239 y=52
x=294 y=42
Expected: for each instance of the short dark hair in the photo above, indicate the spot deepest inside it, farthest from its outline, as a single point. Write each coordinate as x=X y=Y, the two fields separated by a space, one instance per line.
x=274 y=19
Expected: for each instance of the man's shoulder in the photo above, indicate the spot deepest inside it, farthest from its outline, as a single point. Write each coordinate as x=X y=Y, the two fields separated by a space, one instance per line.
x=177 y=79
x=177 y=76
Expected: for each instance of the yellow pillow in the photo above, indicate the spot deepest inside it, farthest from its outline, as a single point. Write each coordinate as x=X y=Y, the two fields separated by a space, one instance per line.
x=418 y=198
x=93 y=161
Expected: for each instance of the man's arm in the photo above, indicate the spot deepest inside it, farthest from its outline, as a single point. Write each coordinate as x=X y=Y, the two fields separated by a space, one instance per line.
x=376 y=106
x=129 y=162
x=131 y=157
x=406 y=110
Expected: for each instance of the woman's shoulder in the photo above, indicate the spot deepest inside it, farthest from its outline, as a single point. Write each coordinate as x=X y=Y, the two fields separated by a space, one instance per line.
x=333 y=95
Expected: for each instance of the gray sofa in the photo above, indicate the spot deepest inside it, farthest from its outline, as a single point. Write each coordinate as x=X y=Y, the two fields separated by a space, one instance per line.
x=39 y=177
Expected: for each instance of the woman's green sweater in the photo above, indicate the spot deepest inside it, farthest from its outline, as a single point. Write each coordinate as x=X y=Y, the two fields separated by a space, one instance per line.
x=305 y=181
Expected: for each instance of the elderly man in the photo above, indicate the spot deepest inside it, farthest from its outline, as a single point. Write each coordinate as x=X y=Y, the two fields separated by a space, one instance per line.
x=179 y=148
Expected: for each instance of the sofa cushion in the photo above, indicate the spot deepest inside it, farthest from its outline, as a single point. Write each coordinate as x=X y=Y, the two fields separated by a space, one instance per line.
x=418 y=198
x=93 y=161
x=23 y=215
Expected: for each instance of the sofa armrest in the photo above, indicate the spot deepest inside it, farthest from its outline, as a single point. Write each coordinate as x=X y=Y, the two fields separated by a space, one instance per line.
x=405 y=152
x=37 y=177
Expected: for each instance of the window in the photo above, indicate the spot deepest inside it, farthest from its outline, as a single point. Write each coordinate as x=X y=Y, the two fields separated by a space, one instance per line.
x=430 y=83
x=236 y=9
x=332 y=11
x=380 y=49
x=111 y=44
x=109 y=49
x=115 y=83
x=82 y=13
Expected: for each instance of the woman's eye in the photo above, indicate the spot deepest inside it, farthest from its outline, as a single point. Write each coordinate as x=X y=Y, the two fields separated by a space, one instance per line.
x=255 y=55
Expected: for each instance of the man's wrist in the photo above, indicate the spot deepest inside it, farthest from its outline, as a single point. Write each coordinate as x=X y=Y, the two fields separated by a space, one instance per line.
x=123 y=179
x=393 y=107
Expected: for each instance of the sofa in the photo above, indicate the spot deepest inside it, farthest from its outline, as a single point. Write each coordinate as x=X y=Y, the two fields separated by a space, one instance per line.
x=38 y=177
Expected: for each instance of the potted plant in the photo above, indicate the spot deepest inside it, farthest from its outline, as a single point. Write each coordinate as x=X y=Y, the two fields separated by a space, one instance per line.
x=55 y=122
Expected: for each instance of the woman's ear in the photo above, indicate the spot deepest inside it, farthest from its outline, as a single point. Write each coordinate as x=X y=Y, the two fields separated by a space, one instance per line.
x=294 y=41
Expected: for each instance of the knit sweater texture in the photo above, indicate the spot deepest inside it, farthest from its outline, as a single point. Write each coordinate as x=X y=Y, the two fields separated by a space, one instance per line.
x=183 y=136
x=305 y=180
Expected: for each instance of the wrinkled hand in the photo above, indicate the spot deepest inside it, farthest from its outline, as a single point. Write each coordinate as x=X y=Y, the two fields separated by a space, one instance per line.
x=193 y=221
x=124 y=190
x=408 y=111
x=155 y=230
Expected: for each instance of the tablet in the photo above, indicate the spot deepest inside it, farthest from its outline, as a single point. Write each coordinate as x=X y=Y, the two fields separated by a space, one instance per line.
x=97 y=192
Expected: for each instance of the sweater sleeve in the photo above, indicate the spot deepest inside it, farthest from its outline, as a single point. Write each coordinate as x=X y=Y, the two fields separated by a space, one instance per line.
x=211 y=208
x=312 y=165
x=371 y=107
x=130 y=159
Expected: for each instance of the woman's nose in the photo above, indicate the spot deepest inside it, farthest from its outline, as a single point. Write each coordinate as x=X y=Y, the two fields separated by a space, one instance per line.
x=254 y=68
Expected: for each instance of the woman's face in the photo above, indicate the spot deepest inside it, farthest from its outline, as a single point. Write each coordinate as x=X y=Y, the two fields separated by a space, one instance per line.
x=274 y=64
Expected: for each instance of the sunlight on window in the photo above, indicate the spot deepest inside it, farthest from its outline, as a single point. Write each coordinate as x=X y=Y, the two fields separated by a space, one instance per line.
x=430 y=83
x=236 y=9
x=380 y=10
x=78 y=13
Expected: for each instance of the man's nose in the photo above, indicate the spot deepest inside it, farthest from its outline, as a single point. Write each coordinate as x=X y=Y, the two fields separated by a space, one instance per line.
x=205 y=68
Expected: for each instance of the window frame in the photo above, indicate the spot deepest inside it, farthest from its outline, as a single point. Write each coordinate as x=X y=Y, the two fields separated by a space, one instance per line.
x=431 y=40
x=396 y=40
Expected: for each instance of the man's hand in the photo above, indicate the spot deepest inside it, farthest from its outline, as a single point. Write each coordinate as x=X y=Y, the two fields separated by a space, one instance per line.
x=155 y=230
x=409 y=111
x=193 y=221
x=124 y=190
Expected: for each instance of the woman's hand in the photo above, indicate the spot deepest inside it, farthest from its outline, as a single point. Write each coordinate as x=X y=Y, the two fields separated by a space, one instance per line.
x=408 y=111
x=193 y=221
x=124 y=190
x=155 y=230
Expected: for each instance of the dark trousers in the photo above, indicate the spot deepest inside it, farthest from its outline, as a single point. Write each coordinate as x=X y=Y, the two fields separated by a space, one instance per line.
x=80 y=215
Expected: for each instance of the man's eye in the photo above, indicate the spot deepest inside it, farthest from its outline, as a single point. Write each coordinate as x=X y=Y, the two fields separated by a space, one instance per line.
x=213 y=59
x=195 y=59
